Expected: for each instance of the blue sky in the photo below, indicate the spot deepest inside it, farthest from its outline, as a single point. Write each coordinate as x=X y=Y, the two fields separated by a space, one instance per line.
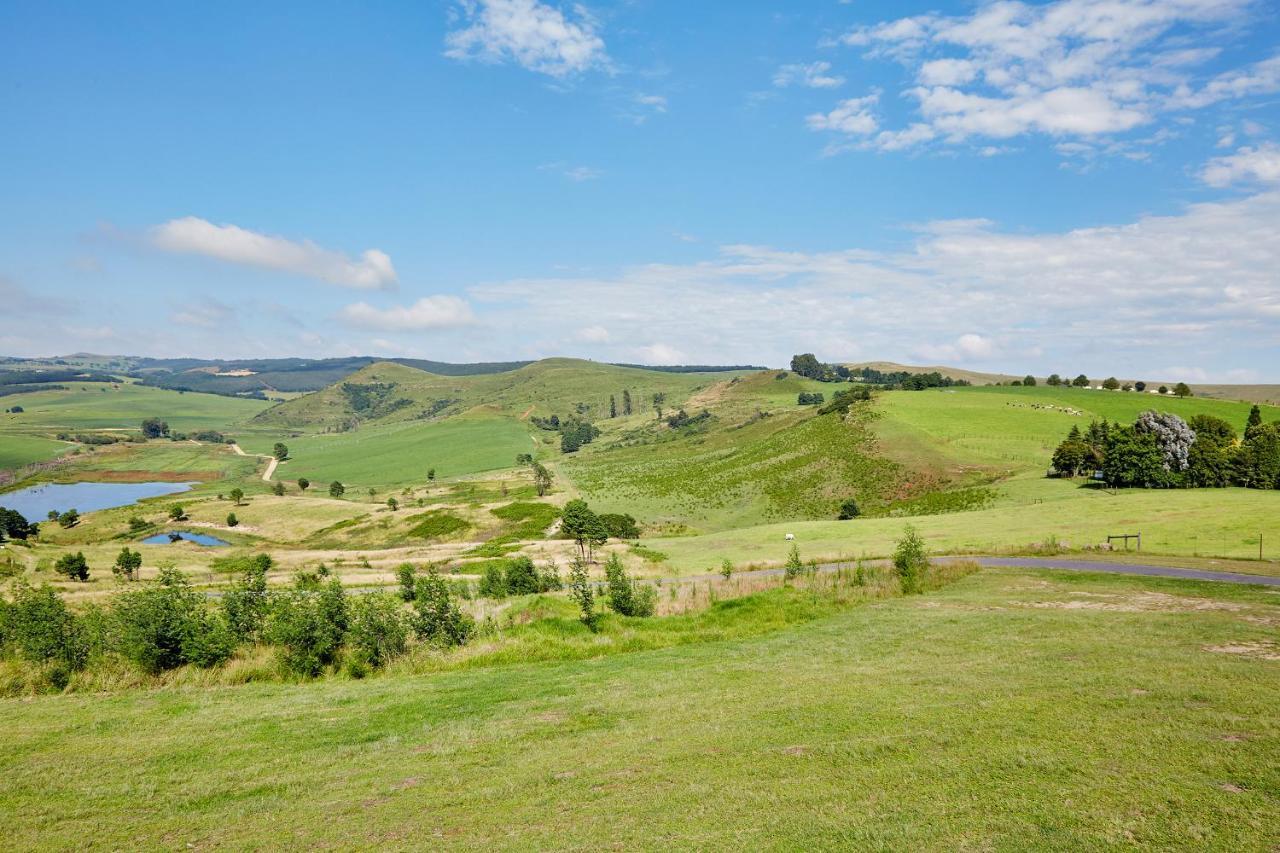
x=1070 y=186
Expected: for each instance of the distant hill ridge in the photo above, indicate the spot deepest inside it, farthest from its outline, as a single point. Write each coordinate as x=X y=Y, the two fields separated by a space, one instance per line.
x=263 y=377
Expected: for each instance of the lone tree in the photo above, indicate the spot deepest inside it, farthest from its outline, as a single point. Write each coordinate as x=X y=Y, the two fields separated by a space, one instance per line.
x=336 y=489
x=658 y=400
x=613 y=407
x=73 y=566
x=848 y=509
x=626 y=402
x=431 y=475
x=303 y=484
x=1140 y=385
x=1111 y=383
x=154 y=428
x=393 y=504
x=1029 y=381
x=1081 y=381
x=1182 y=389
x=1054 y=379
x=127 y=565
x=232 y=521
x=177 y=513
x=68 y=519
x=237 y=495
x=583 y=526
x=280 y=451
x=277 y=489
x=542 y=478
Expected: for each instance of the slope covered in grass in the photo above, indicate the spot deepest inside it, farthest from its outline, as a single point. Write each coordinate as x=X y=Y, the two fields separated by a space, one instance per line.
x=996 y=713
x=1012 y=430
x=125 y=406
x=402 y=452
x=386 y=392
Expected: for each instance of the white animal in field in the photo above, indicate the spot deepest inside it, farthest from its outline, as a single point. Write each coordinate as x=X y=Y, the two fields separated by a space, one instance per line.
x=790 y=536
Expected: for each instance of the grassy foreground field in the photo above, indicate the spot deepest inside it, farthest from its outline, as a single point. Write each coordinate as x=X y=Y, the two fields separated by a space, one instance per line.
x=1010 y=710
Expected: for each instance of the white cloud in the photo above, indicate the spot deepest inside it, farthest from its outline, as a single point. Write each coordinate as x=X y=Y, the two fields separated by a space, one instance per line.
x=1259 y=163
x=230 y=243
x=535 y=35
x=1158 y=290
x=658 y=103
x=429 y=312
x=814 y=75
x=851 y=116
x=1067 y=69
x=660 y=353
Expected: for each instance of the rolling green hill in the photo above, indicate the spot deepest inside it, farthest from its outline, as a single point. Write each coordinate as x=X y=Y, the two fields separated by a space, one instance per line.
x=389 y=392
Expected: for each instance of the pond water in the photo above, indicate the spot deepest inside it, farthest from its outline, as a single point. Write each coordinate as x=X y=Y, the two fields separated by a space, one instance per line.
x=184 y=536
x=35 y=502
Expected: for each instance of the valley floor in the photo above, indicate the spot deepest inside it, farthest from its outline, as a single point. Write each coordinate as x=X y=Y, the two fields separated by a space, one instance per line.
x=1012 y=709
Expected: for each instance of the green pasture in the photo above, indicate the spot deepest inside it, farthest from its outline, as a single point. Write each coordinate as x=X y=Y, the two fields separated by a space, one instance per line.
x=17 y=450
x=1011 y=710
x=99 y=406
x=1012 y=430
x=399 y=453
x=1187 y=522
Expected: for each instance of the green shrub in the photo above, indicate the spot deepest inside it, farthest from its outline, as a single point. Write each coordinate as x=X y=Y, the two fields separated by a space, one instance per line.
x=522 y=578
x=581 y=591
x=910 y=561
x=245 y=604
x=378 y=630
x=794 y=565
x=625 y=597
x=308 y=625
x=406 y=576
x=161 y=625
x=73 y=566
x=436 y=618
x=620 y=526
x=38 y=625
x=493 y=583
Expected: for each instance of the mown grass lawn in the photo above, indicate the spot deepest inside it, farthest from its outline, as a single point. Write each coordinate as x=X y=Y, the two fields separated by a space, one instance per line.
x=1012 y=710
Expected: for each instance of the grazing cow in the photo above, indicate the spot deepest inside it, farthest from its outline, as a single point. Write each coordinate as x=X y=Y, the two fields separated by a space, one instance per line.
x=790 y=536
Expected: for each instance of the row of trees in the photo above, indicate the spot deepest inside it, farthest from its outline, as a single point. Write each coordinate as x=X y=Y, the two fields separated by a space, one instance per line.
x=1161 y=450
x=1181 y=389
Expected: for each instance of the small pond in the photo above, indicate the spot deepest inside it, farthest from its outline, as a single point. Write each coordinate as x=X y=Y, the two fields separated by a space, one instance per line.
x=35 y=502
x=184 y=536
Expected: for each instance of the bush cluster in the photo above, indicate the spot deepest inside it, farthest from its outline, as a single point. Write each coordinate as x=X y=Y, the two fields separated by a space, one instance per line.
x=163 y=624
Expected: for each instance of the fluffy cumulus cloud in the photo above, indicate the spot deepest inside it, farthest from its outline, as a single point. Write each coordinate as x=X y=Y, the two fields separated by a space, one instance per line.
x=428 y=313
x=1077 y=69
x=1158 y=289
x=537 y=36
x=814 y=75
x=236 y=245
x=1260 y=163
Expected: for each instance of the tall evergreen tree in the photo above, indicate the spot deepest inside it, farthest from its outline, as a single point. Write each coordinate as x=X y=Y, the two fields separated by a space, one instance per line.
x=613 y=407
x=626 y=402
